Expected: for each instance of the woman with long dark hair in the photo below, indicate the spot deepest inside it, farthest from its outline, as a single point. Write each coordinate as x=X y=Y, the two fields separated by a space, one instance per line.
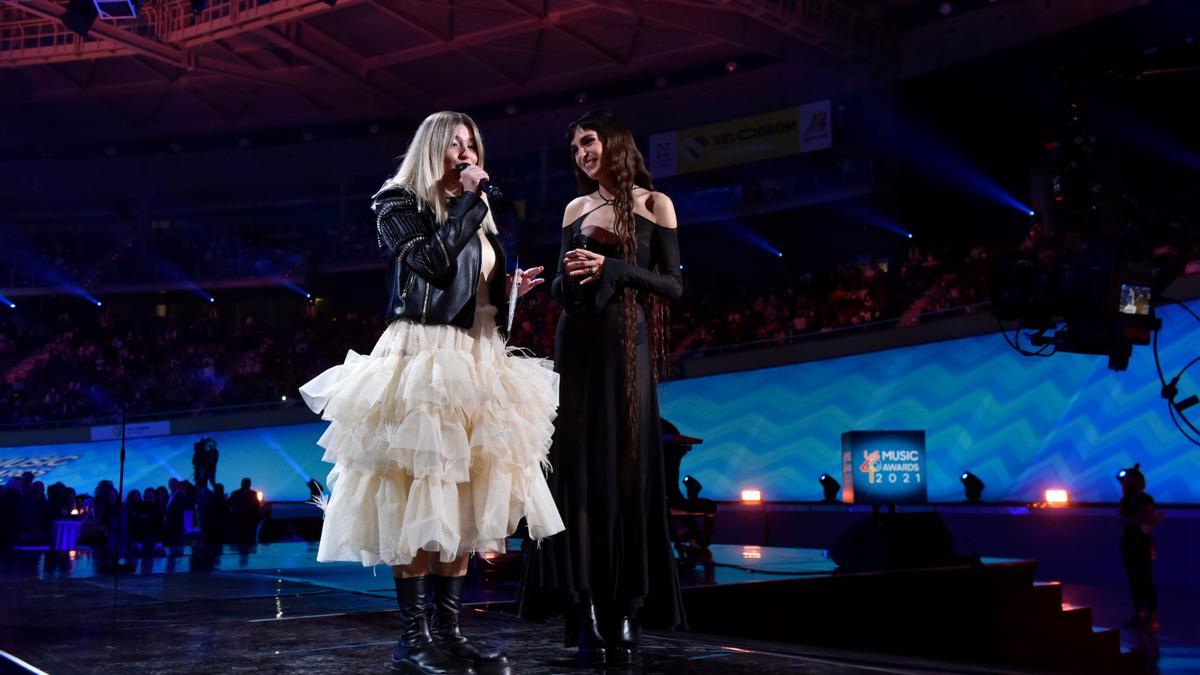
x=438 y=437
x=613 y=568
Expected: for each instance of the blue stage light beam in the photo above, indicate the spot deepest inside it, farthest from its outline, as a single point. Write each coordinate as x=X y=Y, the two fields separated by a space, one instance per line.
x=7 y=303
x=741 y=231
x=869 y=215
x=43 y=272
x=1127 y=128
x=926 y=153
x=287 y=283
x=171 y=270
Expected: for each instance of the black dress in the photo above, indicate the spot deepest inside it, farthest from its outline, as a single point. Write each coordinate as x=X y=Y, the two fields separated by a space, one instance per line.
x=616 y=550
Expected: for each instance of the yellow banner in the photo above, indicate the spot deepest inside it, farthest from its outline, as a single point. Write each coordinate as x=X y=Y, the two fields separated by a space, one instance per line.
x=736 y=141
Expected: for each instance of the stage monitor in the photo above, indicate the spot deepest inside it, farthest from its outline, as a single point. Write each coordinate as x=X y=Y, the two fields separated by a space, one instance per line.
x=884 y=467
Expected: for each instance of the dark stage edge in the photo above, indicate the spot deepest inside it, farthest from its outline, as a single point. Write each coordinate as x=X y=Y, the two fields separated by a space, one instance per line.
x=273 y=610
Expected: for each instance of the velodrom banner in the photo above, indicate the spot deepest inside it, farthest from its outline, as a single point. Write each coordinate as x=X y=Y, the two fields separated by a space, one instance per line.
x=742 y=140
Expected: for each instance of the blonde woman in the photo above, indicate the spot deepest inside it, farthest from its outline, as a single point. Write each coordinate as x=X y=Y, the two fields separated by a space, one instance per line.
x=439 y=436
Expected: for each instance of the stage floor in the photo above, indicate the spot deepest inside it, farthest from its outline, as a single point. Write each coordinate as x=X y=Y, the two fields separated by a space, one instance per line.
x=272 y=608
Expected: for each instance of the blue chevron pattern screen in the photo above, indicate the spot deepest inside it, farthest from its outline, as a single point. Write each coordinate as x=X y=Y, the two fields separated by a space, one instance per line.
x=1021 y=424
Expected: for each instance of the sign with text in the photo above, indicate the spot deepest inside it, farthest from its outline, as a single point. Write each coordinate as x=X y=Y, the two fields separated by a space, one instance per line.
x=884 y=467
x=112 y=432
x=742 y=140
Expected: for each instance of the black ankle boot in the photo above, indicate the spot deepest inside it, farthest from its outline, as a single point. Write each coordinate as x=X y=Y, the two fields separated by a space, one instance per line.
x=415 y=652
x=622 y=641
x=592 y=649
x=447 y=603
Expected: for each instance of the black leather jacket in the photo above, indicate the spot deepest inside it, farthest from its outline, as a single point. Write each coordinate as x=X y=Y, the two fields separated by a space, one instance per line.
x=433 y=275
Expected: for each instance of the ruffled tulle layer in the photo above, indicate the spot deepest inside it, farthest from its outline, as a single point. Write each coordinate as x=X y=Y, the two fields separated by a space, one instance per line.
x=439 y=440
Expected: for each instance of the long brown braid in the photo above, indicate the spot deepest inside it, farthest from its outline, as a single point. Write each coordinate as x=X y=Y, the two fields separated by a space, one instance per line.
x=623 y=159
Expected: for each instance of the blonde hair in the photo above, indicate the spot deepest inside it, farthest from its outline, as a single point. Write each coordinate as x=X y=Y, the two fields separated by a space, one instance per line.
x=423 y=163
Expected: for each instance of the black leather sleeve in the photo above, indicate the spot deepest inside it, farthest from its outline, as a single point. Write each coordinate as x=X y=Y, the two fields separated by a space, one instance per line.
x=404 y=232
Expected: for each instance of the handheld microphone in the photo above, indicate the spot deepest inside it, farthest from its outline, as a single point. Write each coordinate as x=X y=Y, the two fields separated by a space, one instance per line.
x=486 y=186
x=578 y=241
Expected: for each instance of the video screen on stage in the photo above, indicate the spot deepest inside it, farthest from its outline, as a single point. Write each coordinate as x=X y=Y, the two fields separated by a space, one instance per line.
x=1021 y=424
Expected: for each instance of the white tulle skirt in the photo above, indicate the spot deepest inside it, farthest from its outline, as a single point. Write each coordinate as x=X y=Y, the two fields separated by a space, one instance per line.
x=439 y=441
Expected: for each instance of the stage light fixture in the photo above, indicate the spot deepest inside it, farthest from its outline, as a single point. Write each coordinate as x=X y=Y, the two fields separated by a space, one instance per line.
x=1057 y=497
x=751 y=553
x=829 y=487
x=692 y=486
x=80 y=16
x=972 y=486
x=259 y=494
x=751 y=496
x=731 y=66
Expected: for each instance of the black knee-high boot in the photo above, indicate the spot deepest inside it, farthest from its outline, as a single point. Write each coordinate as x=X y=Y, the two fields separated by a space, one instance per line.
x=447 y=603
x=415 y=652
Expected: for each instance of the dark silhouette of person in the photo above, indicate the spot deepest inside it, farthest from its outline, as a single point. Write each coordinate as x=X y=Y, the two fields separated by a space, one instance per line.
x=214 y=513
x=204 y=462
x=244 y=512
x=1138 y=518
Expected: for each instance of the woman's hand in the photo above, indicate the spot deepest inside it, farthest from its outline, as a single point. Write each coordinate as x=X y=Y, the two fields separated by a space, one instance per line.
x=581 y=262
x=471 y=177
x=527 y=280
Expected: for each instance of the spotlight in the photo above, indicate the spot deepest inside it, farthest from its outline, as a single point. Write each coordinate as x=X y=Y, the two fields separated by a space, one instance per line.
x=80 y=16
x=829 y=487
x=283 y=398
x=692 y=486
x=908 y=234
x=751 y=553
x=1057 y=497
x=751 y=496
x=731 y=66
x=972 y=486
x=581 y=97
x=259 y=494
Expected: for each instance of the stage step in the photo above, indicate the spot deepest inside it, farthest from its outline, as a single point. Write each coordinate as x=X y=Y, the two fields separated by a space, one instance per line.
x=995 y=613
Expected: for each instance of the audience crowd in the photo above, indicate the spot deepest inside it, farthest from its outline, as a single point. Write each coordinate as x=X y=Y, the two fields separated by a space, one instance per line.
x=147 y=521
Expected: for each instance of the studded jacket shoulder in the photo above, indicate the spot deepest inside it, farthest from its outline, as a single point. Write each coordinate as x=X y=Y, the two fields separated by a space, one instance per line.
x=433 y=274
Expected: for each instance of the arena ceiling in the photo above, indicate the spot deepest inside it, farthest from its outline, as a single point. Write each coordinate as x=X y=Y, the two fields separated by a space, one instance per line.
x=254 y=63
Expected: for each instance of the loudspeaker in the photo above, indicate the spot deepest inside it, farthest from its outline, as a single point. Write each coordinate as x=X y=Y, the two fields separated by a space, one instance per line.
x=891 y=541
